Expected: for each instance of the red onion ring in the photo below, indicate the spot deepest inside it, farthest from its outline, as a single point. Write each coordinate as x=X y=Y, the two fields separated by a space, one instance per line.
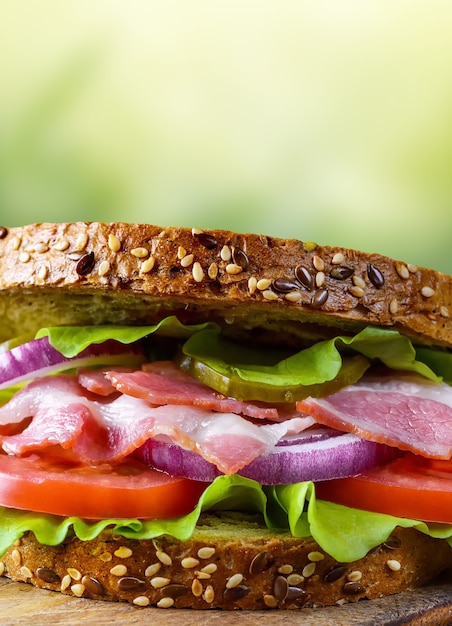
x=315 y=457
x=38 y=358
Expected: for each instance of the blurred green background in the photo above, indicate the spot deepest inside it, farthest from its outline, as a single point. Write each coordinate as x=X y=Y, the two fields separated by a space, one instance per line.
x=325 y=120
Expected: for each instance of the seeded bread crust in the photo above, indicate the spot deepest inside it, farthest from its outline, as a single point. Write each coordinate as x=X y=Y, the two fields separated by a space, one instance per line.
x=225 y=566
x=95 y=273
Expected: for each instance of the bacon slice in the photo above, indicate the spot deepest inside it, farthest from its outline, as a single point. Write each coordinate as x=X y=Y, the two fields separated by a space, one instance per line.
x=165 y=383
x=105 y=430
x=407 y=412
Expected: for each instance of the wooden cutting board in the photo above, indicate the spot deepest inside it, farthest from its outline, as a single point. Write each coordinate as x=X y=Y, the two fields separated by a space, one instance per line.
x=23 y=604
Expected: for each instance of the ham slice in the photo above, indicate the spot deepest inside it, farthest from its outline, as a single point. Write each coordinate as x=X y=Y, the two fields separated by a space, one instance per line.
x=406 y=411
x=165 y=383
x=106 y=429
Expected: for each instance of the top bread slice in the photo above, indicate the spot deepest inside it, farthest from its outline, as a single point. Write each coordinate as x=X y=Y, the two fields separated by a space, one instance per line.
x=118 y=273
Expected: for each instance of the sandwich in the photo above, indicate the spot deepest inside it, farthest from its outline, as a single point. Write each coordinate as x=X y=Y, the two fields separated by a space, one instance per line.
x=214 y=420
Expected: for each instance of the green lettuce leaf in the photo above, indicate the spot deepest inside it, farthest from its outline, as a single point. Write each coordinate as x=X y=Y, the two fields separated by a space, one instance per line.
x=439 y=361
x=345 y=533
x=71 y=340
x=314 y=365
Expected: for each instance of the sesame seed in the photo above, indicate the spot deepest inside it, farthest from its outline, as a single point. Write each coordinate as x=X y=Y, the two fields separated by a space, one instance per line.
x=78 y=589
x=295 y=579
x=152 y=569
x=393 y=565
x=338 y=258
x=412 y=268
x=16 y=557
x=393 y=306
x=285 y=569
x=197 y=272
x=147 y=265
x=252 y=284
x=15 y=243
x=196 y=231
x=355 y=576
x=187 y=260
x=118 y=570
x=105 y=557
x=160 y=581
x=270 y=295
x=141 y=601
x=316 y=556
x=263 y=284
x=308 y=570
x=318 y=263
x=189 y=562
x=209 y=594
x=427 y=292
x=113 y=243
x=356 y=291
x=402 y=271
x=320 y=279
x=103 y=268
x=211 y=568
x=212 y=271
x=24 y=257
x=25 y=572
x=165 y=603
x=293 y=296
x=74 y=573
x=65 y=582
x=43 y=272
x=226 y=253
x=139 y=253
x=359 y=282
x=206 y=552
x=61 y=245
x=270 y=601
x=232 y=269
x=196 y=588
x=41 y=247
x=202 y=575
x=181 y=252
x=234 y=581
x=123 y=552
x=2 y=568
x=444 y=311
x=163 y=557
x=81 y=242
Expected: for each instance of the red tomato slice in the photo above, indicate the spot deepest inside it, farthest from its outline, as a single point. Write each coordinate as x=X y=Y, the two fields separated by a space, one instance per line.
x=411 y=487
x=60 y=485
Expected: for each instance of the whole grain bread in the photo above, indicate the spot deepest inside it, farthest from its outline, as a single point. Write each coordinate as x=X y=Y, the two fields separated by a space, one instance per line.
x=230 y=562
x=99 y=273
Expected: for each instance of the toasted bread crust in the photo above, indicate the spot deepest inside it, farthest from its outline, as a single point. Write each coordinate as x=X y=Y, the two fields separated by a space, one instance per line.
x=225 y=567
x=83 y=273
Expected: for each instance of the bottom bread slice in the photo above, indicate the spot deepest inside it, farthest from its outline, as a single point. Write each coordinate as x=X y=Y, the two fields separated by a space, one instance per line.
x=230 y=562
